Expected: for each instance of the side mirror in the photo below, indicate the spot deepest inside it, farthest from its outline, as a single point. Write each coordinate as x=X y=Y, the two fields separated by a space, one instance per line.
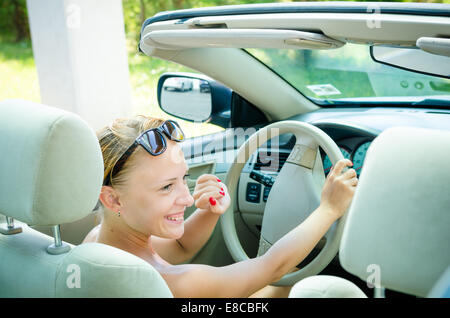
x=195 y=98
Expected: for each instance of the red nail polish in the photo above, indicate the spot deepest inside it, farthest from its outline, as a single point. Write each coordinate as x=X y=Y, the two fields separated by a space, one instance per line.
x=221 y=189
x=218 y=180
x=212 y=201
x=222 y=193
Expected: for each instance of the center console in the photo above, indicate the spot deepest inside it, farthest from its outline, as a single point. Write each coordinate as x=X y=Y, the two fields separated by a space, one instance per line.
x=257 y=178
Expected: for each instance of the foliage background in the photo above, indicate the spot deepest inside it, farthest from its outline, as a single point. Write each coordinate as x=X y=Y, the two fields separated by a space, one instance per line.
x=18 y=76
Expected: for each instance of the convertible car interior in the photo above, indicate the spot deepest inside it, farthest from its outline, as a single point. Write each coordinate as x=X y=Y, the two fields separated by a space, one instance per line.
x=295 y=87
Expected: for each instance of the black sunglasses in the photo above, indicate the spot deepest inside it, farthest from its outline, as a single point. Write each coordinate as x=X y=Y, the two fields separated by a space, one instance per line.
x=153 y=141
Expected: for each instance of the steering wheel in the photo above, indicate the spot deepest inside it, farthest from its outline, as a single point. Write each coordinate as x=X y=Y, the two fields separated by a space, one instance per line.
x=294 y=195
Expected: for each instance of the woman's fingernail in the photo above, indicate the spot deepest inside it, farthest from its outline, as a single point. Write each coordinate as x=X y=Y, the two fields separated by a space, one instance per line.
x=212 y=201
x=222 y=193
x=221 y=189
x=218 y=180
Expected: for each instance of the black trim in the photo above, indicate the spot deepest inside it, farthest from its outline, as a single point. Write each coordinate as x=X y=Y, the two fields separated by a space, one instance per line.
x=334 y=130
x=429 y=9
x=347 y=104
x=244 y=113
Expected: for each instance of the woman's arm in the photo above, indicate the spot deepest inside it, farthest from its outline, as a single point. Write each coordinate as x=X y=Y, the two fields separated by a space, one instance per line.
x=337 y=194
x=244 y=278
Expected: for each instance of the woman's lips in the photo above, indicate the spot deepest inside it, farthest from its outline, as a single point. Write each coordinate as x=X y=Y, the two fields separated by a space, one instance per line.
x=175 y=217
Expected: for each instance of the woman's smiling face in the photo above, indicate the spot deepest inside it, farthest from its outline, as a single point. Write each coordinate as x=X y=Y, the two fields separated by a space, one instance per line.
x=155 y=195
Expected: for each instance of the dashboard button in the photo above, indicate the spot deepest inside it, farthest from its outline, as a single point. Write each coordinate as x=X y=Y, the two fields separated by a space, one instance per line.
x=262 y=178
x=253 y=193
x=266 y=193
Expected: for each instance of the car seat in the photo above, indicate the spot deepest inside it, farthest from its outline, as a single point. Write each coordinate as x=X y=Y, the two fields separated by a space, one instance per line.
x=396 y=233
x=51 y=172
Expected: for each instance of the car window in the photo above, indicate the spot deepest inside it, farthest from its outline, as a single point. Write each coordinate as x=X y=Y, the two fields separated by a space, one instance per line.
x=349 y=74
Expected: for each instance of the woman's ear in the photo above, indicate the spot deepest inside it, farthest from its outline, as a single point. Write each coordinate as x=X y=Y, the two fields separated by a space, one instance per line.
x=110 y=199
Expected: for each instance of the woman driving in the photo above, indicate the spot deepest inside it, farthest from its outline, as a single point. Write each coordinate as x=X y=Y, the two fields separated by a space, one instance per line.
x=144 y=196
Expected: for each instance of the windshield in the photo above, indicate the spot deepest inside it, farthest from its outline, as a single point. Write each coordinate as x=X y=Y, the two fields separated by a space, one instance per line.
x=349 y=75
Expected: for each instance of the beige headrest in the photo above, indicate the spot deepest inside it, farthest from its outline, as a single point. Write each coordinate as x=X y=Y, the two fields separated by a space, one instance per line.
x=397 y=228
x=51 y=166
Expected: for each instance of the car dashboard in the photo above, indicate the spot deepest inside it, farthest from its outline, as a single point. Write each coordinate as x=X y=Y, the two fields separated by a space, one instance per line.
x=353 y=130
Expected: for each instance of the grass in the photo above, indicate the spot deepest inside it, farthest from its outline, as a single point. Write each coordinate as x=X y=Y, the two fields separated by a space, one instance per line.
x=19 y=79
x=18 y=76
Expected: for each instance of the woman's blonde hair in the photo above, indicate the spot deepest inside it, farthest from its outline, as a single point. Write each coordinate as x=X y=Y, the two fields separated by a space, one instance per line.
x=116 y=138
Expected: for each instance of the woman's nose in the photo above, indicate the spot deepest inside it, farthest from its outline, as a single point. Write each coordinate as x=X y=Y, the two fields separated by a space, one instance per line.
x=186 y=198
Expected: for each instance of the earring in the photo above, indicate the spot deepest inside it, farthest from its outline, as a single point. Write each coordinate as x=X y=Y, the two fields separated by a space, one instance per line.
x=118 y=214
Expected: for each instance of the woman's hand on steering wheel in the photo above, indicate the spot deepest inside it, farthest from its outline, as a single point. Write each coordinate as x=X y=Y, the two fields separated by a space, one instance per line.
x=339 y=188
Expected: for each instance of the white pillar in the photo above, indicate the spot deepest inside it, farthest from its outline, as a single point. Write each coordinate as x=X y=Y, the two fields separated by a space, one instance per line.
x=79 y=49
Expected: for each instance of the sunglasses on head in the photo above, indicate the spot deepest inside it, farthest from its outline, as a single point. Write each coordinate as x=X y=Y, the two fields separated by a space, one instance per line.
x=153 y=141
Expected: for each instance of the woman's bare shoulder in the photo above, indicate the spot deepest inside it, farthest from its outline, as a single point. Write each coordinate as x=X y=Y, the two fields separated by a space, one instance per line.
x=92 y=235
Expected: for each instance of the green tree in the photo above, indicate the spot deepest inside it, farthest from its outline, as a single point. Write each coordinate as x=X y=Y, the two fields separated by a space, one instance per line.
x=14 y=20
x=137 y=11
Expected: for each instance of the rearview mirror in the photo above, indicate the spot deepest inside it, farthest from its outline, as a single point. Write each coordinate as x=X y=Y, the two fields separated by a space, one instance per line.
x=412 y=59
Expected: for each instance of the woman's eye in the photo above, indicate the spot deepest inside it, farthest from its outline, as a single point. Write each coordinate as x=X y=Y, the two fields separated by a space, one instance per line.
x=169 y=186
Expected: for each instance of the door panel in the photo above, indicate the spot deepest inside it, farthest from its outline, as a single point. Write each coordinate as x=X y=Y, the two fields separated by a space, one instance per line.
x=195 y=171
